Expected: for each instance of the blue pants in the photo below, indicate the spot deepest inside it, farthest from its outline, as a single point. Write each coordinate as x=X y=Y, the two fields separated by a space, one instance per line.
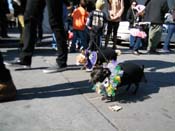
x=171 y=30
x=135 y=42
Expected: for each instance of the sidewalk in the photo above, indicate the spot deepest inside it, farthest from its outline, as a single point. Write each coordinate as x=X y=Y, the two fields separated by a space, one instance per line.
x=65 y=101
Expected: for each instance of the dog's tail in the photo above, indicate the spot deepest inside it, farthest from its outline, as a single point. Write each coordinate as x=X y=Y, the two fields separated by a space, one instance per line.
x=143 y=77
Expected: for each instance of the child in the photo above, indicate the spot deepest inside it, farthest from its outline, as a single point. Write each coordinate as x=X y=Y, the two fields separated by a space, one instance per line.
x=95 y=24
x=79 y=16
x=137 y=34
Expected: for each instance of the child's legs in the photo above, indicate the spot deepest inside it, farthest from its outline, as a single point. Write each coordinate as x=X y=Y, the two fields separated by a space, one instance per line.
x=137 y=43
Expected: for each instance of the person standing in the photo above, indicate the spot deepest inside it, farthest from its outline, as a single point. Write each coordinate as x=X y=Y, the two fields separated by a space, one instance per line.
x=55 y=11
x=115 y=11
x=154 y=13
x=95 y=24
x=134 y=16
x=131 y=17
x=79 y=16
x=171 y=30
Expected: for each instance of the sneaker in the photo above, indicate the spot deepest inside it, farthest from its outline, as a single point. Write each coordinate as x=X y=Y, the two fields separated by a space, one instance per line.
x=136 y=52
x=164 y=51
x=54 y=69
x=89 y=69
x=17 y=63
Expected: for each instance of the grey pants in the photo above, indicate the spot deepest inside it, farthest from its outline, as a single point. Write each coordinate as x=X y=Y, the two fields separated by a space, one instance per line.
x=155 y=32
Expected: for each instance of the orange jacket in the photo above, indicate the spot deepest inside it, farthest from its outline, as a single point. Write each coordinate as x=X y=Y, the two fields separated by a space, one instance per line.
x=79 y=16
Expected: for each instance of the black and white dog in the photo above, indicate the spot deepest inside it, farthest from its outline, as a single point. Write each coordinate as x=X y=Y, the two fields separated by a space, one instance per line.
x=128 y=73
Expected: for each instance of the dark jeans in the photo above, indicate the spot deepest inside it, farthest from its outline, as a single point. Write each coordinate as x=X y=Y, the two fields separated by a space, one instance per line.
x=112 y=27
x=94 y=40
x=3 y=25
x=4 y=73
x=55 y=10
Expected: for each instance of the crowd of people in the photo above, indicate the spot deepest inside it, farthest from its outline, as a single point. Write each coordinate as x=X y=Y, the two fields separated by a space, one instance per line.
x=87 y=20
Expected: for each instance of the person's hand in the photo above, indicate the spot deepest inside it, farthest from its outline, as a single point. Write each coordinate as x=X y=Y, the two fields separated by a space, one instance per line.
x=115 y=17
x=90 y=28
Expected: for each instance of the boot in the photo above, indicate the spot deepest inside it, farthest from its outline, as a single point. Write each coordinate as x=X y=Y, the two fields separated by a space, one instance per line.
x=7 y=91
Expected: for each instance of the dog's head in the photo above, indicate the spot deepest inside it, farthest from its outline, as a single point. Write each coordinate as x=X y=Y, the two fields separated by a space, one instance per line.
x=99 y=74
x=81 y=59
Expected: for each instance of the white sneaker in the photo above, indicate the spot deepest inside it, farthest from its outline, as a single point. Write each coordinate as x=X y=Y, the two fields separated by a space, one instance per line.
x=54 y=69
x=164 y=51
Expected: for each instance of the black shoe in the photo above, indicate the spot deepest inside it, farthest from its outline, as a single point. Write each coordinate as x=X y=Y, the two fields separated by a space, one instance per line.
x=17 y=63
x=54 y=69
x=153 y=52
x=131 y=47
x=114 y=47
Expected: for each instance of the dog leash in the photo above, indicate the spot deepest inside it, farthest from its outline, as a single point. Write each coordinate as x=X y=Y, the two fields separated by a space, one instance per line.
x=101 y=52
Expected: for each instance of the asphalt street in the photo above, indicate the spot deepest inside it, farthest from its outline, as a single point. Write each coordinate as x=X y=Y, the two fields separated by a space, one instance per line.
x=64 y=101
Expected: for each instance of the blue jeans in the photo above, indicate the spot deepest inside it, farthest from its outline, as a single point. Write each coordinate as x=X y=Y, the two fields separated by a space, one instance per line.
x=132 y=39
x=79 y=35
x=135 y=42
x=171 y=30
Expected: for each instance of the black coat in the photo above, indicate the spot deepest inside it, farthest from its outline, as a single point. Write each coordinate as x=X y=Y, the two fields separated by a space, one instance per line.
x=155 y=11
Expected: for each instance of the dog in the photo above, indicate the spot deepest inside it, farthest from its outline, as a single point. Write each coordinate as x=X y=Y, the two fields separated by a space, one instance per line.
x=107 y=81
x=91 y=59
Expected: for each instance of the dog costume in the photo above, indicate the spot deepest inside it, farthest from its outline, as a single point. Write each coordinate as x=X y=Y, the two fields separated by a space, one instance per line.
x=90 y=59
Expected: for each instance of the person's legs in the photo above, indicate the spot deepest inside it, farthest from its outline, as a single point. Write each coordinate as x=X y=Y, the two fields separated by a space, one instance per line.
x=55 y=11
x=40 y=21
x=74 y=41
x=115 y=29
x=30 y=20
x=171 y=30
x=109 y=31
x=21 y=22
x=137 y=45
x=91 y=42
x=83 y=37
x=132 y=41
x=3 y=25
x=155 y=32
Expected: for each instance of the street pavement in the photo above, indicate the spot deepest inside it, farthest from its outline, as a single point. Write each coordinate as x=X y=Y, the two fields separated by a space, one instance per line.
x=64 y=101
